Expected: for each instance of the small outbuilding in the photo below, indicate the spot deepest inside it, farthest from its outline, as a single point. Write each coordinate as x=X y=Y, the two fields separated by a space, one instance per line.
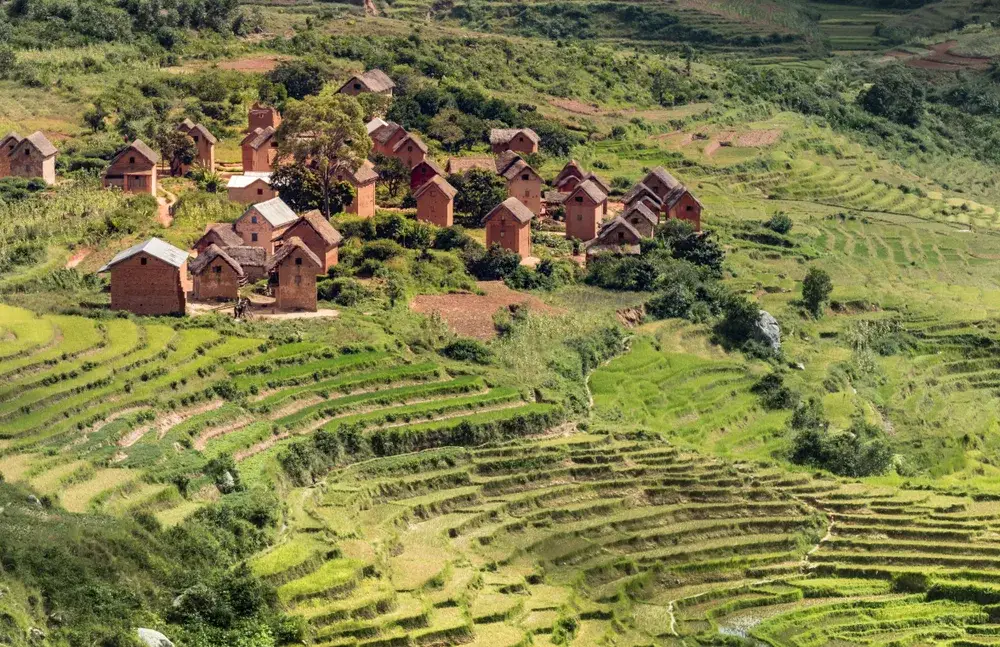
x=585 y=208
x=258 y=150
x=293 y=270
x=133 y=170
x=216 y=276
x=436 y=202
x=318 y=235
x=263 y=117
x=509 y=225
x=519 y=140
x=385 y=137
x=410 y=150
x=642 y=219
x=148 y=279
x=615 y=237
x=523 y=182
x=204 y=143
x=363 y=180
x=263 y=223
x=375 y=81
x=250 y=187
x=33 y=157
x=220 y=234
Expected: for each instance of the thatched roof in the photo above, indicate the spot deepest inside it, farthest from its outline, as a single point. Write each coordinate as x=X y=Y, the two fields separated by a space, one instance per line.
x=514 y=207
x=438 y=181
x=142 y=149
x=41 y=143
x=288 y=247
x=505 y=135
x=321 y=226
x=223 y=232
x=199 y=264
x=640 y=208
x=372 y=80
x=463 y=164
x=591 y=190
x=258 y=137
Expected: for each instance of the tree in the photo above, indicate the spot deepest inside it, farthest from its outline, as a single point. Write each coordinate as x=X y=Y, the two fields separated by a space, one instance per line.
x=816 y=288
x=392 y=173
x=327 y=135
x=779 y=223
x=479 y=190
x=895 y=95
x=301 y=190
x=176 y=147
x=299 y=78
x=689 y=55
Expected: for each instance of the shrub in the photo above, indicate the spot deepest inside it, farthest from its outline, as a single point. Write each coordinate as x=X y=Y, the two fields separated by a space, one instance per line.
x=780 y=223
x=382 y=250
x=495 y=264
x=675 y=301
x=816 y=288
x=468 y=350
x=911 y=582
x=774 y=394
x=862 y=450
x=343 y=291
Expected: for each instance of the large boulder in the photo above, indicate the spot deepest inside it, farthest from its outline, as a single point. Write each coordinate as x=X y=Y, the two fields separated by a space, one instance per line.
x=768 y=331
x=153 y=638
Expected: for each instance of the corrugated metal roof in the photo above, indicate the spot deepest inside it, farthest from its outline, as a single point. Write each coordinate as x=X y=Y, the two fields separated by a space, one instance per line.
x=245 y=180
x=275 y=212
x=155 y=248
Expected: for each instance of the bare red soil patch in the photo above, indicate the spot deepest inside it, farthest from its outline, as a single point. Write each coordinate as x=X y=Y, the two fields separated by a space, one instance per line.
x=77 y=257
x=471 y=315
x=253 y=63
x=941 y=58
x=755 y=138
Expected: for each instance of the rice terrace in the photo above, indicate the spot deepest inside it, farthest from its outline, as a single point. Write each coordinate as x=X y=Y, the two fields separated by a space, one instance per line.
x=397 y=323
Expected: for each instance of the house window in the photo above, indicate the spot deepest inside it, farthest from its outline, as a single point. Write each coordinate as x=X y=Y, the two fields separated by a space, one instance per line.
x=253 y=220
x=217 y=269
x=689 y=208
x=409 y=149
x=298 y=261
x=579 y=198
x=260 y=191
x=298 y=280
x=621 y=235
x=131 y=160
x=357 y=86
x=502 y=232
x=524 y=177
x=196 y=139
x=142 y=261
x=27 y=152
x=579 y=216
x=253 y=237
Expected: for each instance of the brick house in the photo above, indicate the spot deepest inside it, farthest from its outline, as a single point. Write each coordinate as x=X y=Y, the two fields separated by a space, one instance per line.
x=585 y=207
x=385 y=138
x=519 y=140
x=436 y=202
x=375 y=81
x=148 y=279
x=7 y=145
x=363 y=180
x=263 y=117
x=642 y=193
x=318 y=235
x=250 y=187
x=424 y=171
x=570 y=176
x=133 y=170
x=251 y=259
x=33 y=157
x=615 y=237
x=456 y=165
x=263 y=223
x=410 y=150
x=599 y=181
x=676 y=200
x=220 y=234
x=375 y=124
x=642 y=219
x=293 y=270
x=216 y=276
x=258 y=150
x=204 y=143
x=523 y=182
x=509 y=225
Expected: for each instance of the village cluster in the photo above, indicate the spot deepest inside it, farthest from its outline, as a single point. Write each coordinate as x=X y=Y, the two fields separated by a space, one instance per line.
x=270 y=241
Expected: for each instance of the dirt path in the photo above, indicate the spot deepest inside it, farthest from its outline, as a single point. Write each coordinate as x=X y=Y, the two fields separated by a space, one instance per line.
x=163 y=208
x=78 y=257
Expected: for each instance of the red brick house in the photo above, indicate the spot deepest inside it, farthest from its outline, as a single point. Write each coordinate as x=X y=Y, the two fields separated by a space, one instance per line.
x=259 y=149
x=523 y=182
x=585 y=207
x=615 y=237
x=385 y=138
x=423 y=172
x=204 y=143
x=519 y=140
x=33 y=157
x=133 y=170
x=263 y=117
x=677 y=201
x=220 y=234
x=148 y=279
x=263 y=223
x=375 y=81
x=642 y=193
x=410 y=150
x=570 y=176
x=436 y=202
x=642 y=219
x=318 y=235
x=250 y=187
x=7 y=145
x=293 y=270
x=509 y=225
x=363 y=180
x=251 y=259
x=216 y=276
x=599 y=181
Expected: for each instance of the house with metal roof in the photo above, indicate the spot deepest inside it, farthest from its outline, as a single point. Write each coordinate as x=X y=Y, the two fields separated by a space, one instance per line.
x=148 y=279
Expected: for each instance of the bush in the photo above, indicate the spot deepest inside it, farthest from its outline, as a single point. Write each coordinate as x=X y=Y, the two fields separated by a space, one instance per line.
x=774 y=394
x=495 y=264
x=862 y=450
x=816 y=288
x=675 y=301
x=780 y=223
x=382 y=250
x=468 y=350
x=343 y=291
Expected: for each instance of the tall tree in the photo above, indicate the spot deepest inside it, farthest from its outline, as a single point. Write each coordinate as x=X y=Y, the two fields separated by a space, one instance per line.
x=326 y=134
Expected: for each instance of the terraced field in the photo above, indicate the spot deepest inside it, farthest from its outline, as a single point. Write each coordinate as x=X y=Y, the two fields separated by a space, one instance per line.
x=107 y=414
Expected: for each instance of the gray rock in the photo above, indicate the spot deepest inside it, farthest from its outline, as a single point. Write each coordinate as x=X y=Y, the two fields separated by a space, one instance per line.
x=153 y=638
x=768 y=331
x=228 y=483
x=799 y=366
x=33 y=500
x=36 y=635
